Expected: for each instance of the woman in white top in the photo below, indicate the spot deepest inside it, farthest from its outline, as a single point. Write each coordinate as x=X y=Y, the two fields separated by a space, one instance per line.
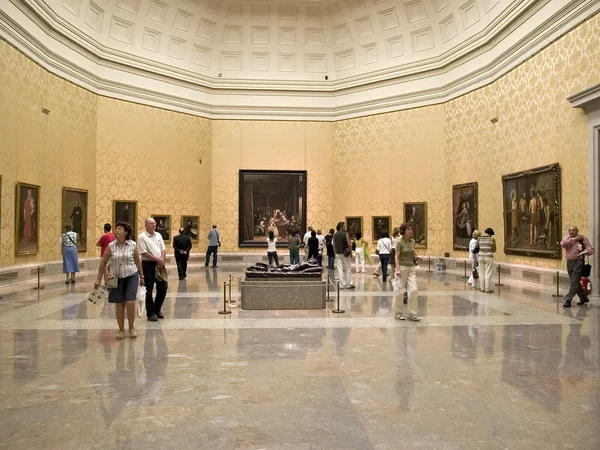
x=384 y=249
x=123 y=259
x=473 y=258
x=272 y=249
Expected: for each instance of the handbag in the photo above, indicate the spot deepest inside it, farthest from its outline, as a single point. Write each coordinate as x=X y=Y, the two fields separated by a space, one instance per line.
x=347 y=251
x=475 y=273
x=96 y=297
x=140 y=301
x=112 y=282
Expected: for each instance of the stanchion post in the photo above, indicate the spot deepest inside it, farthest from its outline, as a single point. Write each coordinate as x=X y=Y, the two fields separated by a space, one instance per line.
x=465 y=275
x=224 y=299
x=38 y=277
x=429 y=264
x=338 y=310
x=329 y=299
x=498 y=283
x=557 y=295
x=231 y=300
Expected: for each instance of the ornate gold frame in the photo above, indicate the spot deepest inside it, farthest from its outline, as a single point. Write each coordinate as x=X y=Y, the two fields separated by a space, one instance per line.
x=361 y=224
x=373 y=218
x=425 y=223
x=154 y=216
x=134 y=228
x=65 y=218
x=181 y=225
x=18 y=218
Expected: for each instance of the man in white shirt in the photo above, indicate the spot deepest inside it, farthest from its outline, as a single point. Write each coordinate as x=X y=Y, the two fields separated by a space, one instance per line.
x=153 y=251
x=305 y=240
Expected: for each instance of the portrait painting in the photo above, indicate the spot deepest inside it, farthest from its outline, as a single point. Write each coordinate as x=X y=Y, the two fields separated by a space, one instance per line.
x=163 y=225
x=416 y=215
x=126 y=211
x=75 y=213
x=190 y=226
x=353 y=225
x=464 y=214
x=381 y=223
x=27 y=219
x=532 y=212
x=271 y=200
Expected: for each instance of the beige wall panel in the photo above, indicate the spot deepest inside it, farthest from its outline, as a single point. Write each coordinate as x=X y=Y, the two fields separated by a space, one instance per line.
x=52 y=151
x=152 y=155
x=264 y=145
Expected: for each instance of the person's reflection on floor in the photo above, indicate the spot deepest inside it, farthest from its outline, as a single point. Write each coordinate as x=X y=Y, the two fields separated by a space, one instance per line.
x=212 y=282
x=574 y=363
x=405 y=380
x=183 y=304
x=123 y=381
x=155 y=360
x=340 y=337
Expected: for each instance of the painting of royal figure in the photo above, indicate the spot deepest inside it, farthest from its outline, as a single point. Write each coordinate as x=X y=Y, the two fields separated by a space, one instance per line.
x=463 y=222
x=27 y=219
x=77 y=220
x=28 y=211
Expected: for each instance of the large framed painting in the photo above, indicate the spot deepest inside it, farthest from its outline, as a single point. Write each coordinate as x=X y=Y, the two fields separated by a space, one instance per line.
x=354 y=224
x=126 y=211
x=271 y=200
x=27 y=219
x=75 y=213
x=163 y=225
x=532 y=212
x=416 y=215
x=381 y=223
x=464 y=214
x=190 y=226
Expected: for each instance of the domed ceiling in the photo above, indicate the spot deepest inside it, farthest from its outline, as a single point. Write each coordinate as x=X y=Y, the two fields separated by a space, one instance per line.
x=325 y=59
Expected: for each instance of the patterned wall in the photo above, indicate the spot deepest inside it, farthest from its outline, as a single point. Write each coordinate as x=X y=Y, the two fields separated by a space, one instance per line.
x=536 y=126
x=152 y=155
x=270 y=145
x=54 y=150
x=367 y=166
x=385 y=160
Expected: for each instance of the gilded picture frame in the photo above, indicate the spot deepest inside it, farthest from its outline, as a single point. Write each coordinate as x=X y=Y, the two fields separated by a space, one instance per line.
x=163 y=226
x=415 y=213
x=464 y=214
x=27 y=215
x=75 y=213
x=354 y=224
x=126 y=211
x=380 y=223
x=190 y=226
x=532 y=212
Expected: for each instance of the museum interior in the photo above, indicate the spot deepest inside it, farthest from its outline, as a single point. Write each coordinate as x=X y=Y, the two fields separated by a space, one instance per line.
x=262 y=115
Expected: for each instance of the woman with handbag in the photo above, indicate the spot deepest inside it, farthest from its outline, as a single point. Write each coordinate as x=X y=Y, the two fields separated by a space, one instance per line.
x=473 y=258
x=68 y=241
x=123 y=259
x=406 y=261
x=384 y=250
x=487 y=248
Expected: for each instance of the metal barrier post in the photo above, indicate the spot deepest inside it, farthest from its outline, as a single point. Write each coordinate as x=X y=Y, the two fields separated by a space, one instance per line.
x=38 y=277
x=498 y=283
x=338 y=310
x=557 y=295
x=329 y=299
x=465 y=275
x=429 y=264
x=224 y=299
x=231 y=300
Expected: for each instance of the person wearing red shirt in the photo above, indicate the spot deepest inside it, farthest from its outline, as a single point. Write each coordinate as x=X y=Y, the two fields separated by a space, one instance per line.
x=106 y=239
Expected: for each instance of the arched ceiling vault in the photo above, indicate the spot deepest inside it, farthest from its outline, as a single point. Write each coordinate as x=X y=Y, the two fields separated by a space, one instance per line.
x=291 y=59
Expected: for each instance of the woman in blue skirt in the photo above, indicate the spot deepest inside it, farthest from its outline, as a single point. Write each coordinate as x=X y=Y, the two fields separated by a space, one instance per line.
x=69 y=250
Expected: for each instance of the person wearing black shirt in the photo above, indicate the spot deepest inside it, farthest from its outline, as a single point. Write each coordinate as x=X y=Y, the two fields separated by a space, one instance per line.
x=330 y=252
x=182 y=245
x=313 y=246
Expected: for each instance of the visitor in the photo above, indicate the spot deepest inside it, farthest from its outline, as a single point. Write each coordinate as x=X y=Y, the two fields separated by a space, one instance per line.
x=69 y=254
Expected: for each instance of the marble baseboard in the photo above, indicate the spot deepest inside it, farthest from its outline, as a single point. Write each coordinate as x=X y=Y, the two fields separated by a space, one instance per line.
x=257 y=294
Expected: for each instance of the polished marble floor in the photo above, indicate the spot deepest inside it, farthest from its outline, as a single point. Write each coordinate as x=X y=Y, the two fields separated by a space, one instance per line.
x=480 y=371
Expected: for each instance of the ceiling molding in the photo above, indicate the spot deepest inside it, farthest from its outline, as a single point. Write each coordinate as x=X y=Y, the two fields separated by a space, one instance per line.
x=510 y=40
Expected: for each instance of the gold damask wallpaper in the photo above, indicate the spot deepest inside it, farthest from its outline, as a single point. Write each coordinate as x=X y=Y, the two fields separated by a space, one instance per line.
x=177 y=164
x=54 y=150
x=275 y=146
x=536 y=126
x=385 y=160
x=160 y=158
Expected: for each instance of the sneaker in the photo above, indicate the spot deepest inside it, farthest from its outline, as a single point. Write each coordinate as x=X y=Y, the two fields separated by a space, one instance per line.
x=132 y=333
x=153 y=318
x=566 y=304
x=350 y=286
x=120 y=335
x=583 y=302
x=413 y=317
x=399 y=316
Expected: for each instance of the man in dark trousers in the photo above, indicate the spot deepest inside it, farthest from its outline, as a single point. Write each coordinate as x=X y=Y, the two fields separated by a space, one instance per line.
x=182 y=245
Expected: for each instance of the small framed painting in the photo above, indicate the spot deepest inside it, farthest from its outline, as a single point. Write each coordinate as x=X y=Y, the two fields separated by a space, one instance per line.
x=190 y=226
x=381 y=223
x=163 y=226
x=416 y=215
x=126 y=211
x=354 y=224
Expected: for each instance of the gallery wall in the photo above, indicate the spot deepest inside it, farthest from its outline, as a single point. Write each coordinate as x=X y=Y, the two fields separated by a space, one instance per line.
x=159 y=158
x=52 y=151
x=177 y=164
x=256 y=145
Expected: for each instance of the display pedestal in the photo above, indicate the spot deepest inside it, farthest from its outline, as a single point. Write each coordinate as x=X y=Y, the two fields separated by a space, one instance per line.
x=295 y=293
